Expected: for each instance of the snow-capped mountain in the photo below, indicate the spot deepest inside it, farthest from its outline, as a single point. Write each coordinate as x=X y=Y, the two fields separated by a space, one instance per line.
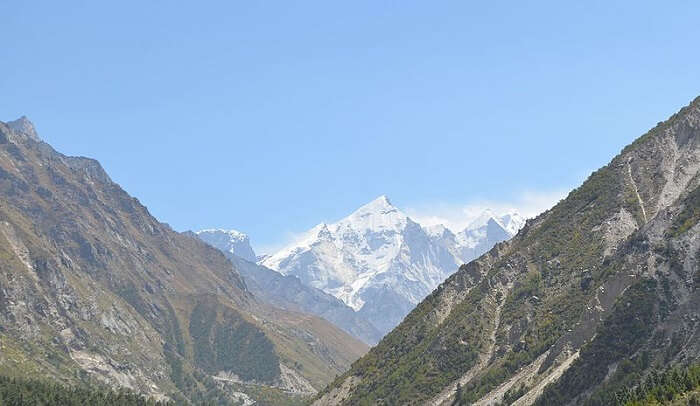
x=512 y=222
x=232 y=241
x=485 y=231
x=382 y=263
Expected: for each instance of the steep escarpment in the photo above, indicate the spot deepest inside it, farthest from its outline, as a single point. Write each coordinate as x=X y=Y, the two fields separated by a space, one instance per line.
x=93 y=288
x=587 y=299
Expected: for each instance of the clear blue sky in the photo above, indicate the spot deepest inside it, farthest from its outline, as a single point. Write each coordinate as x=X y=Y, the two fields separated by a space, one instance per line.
x=270 y=117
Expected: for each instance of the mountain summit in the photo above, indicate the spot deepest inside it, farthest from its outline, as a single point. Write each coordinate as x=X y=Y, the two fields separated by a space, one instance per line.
x=232 y=241
x=379 y=261
x=24 y=127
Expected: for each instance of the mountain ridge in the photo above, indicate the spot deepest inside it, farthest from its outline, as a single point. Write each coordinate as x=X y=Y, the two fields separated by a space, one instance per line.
x=381 y=262
x=95 y=289
x=231 y=241
x=591 y=295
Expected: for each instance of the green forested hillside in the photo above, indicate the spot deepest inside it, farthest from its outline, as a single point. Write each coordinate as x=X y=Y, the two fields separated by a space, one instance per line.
x=675 y=386
x=25 y=392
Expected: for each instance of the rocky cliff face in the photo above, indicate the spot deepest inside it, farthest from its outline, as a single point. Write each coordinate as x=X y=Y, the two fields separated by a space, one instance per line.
x=92 y=287
x=584 y=301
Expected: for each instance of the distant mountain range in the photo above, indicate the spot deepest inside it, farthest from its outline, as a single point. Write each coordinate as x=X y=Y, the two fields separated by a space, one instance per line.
x=378 y=261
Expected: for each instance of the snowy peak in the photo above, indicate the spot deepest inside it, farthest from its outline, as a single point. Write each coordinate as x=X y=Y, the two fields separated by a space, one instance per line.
x=380 y=262
x=495 y=231
x=319 y=232
x=378 y=205
x=379 y=214
x=232 y=241
x=512 y=222
x=482 y=219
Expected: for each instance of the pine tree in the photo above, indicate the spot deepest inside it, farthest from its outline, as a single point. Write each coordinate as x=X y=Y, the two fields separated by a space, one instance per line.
x=458 y=395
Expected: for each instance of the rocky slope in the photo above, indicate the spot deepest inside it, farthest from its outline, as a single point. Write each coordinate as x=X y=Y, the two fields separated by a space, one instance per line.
x=93 y=288
x=586 y=300
x=382 y=263
x=287 y=292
